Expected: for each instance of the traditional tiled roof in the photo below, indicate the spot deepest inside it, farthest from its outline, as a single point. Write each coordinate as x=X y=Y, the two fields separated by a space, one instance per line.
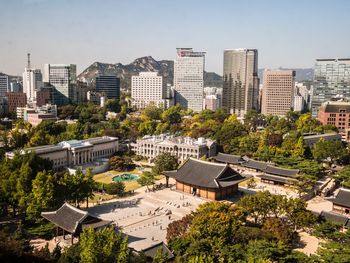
x=73 y=219
x=342 y=198
x=335 y=218
x=312 y=139
x=276 y=178
x=281 y=171
x=253 y=164
x=152 y=250
x=206 y=174
x=228 y=158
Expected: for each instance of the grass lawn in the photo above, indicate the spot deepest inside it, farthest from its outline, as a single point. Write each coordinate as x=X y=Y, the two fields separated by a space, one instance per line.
x=106 y=178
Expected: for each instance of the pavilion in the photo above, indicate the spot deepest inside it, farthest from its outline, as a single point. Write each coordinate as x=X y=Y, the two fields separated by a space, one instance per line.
x=209 y=180
x=73 y=221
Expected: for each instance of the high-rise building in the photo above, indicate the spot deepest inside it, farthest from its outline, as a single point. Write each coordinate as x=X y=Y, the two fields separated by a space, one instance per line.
x=81 y=90
x=16 y=87
x=331 y=80
x=278 y=92
x=63 y=78
x=148 y=88
x=241 y=82
x=109 y=86
x=32 y=81
x=189 y=78
x=4 y=85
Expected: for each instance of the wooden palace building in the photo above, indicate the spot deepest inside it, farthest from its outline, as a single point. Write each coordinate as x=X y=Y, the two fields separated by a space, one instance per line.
x=209 y=180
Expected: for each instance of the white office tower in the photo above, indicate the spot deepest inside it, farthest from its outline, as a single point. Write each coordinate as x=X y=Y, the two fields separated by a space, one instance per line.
x=188 y=78
x=63 y=78
x=4 y=85
x=32 y=81
x=148 y=88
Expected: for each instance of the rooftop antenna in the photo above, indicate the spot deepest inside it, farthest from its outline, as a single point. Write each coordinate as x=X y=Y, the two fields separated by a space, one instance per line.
x=28 y=57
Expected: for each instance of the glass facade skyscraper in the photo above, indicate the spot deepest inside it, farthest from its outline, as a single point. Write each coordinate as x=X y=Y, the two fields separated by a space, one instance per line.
x=241 y=82
x=331 y=81
x=109 y=86
x=63 y=78
x=189 y=78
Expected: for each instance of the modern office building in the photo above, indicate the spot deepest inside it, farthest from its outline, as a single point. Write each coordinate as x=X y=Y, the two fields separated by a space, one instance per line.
x=4 y=85
x=109 y=86
x=16 y=87
x=189 y=78
x=278 y=92
x=181 y=147
x=81 y=91
x=32 y=81
x=63 y=79
x=16 y=99
x=241 y=82
x=148 y=88
x=212 y=102
x=331 y=80
x=336 y=113
x=74 y=152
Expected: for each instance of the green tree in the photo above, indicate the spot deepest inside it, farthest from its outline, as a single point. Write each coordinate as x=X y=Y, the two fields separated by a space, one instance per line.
x=41 y=197
x=146 y=179
x=115 y=188
x=102 y=246
x=121 y=163
x=165 y=162
x=323 y=150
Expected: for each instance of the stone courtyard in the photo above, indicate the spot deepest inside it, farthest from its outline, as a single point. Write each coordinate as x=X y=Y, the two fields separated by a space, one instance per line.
x=145 y=216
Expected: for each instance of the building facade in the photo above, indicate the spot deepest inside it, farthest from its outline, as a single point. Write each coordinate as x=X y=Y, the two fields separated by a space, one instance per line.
x=181 y=147
x=240 y=81
x=148 y=88
x=63 y=78
x=278 y=92
x=109 y=86
x=75 y=152
x=189 y=78
x=32 y=81
x=331 y=80
x=81 y=92
x=336 y=113
x=16 y=99
x=4 y=85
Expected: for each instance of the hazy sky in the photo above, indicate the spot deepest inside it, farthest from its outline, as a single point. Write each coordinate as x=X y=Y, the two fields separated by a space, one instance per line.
x=286 y=33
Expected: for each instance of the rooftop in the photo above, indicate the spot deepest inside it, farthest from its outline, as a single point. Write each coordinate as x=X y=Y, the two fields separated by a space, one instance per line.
x=311 y=139
x=206 y=174
x=342 y=198
x=172 y=140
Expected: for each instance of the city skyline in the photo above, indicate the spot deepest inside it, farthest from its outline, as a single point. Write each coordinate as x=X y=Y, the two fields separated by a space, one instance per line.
x=286 y=35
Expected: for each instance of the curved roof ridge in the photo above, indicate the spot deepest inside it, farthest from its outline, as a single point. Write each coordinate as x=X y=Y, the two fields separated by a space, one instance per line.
x=206 y=162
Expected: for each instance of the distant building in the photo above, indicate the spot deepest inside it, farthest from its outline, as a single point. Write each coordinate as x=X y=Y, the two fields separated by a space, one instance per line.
x=240 y=81
x=3 y=105
x=336 y=113
x=95 y=97
x=278 y=92
x=4 y=85
x=189 y=78
x=109 y=86
x=304 y=89
x=32 y=81
x=45 y=112
x=181 y=147
x=212 y=102
x=149 y=88
x=16 y=87
x=63 y=78
x=75 y=152
x=82 y=90
x=298 y=103
x=16 y=99
x=43 y=96
x=36 y=115
x=331 y=80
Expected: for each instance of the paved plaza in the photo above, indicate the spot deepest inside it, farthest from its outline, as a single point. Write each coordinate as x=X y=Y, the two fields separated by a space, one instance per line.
x=145 y=216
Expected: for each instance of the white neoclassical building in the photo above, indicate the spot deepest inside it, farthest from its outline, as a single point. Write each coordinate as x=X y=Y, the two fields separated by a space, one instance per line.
x=179 y=146
x=75 y=152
